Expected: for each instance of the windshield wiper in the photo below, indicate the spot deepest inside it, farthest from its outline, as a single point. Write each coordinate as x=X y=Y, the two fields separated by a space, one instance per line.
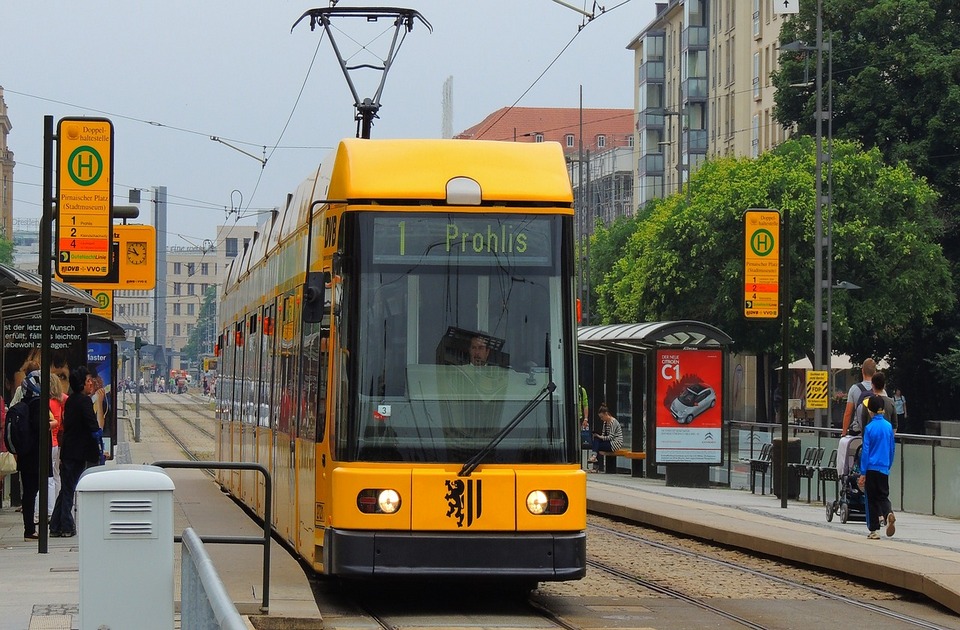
x=471 y=464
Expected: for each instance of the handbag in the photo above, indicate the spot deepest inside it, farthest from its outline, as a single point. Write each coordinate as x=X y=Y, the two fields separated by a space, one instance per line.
x=8 y=463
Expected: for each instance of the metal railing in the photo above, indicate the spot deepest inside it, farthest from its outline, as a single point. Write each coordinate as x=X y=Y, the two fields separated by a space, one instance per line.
x=239 y=540
x=204 y=602
x=920 y=461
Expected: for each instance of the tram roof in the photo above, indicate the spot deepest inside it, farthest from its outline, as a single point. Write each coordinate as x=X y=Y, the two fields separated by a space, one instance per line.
x=641 y=337
x=21 y=294
x=505 y=171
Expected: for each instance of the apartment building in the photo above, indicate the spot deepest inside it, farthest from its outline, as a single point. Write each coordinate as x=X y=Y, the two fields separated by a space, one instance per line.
x=604 y=160
x=703 y=89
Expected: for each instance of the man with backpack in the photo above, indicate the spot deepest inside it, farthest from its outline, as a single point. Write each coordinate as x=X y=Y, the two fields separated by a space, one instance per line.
x=22 y=437
x=857 y=394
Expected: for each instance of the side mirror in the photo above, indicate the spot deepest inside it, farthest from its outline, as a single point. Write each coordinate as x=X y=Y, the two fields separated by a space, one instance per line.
x=316 y=298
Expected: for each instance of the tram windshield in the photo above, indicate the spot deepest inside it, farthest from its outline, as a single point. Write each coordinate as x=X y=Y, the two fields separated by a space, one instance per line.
x=462 y=320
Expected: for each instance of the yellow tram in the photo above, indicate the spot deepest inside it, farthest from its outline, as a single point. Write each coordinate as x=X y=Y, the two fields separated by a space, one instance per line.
x=346 y=366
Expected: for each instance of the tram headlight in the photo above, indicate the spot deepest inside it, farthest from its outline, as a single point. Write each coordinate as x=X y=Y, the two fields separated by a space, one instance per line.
x=547 y=502
x=537 y=502
x=388 y=501
x=378 y=501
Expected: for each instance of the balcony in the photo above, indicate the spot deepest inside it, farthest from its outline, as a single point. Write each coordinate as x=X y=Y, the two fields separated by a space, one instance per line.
x=695 y=37
x=651 y=71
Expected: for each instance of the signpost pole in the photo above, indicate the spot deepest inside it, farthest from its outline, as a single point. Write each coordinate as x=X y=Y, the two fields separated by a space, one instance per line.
x=785 y=351
x=46 y=239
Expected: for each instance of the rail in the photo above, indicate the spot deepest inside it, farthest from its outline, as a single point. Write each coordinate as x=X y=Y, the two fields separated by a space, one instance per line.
x=204 y=602
x=239 y=540
x=921 y=460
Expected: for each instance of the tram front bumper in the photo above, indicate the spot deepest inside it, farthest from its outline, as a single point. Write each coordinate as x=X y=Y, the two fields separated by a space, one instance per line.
x=534 y=556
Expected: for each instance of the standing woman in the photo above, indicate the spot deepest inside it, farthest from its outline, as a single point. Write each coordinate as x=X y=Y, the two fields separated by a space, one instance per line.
x=78 y=448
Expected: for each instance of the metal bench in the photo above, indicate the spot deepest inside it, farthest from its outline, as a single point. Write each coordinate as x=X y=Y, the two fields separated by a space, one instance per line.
x=828 y=473
x=806 y=468
x=761 y=464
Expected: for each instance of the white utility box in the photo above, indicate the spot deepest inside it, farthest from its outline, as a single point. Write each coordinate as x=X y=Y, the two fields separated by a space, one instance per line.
x=125 y=523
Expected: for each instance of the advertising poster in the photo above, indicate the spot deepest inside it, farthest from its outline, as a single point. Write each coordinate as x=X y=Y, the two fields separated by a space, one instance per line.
x=100 y=362
x=23 y=338
x=689 y=406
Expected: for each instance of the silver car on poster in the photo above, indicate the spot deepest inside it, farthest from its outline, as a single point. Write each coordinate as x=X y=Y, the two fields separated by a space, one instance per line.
x=694 y=400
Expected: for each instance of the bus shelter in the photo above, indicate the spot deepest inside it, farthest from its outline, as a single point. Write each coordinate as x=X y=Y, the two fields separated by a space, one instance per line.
x=664 y=382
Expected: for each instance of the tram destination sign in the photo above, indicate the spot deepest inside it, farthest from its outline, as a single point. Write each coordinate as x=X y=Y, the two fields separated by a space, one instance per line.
x=761 y=264
x=84 y=198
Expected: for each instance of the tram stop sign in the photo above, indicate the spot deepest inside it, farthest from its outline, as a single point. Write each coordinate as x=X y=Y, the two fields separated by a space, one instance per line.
x=84 y=198
x=761 y=264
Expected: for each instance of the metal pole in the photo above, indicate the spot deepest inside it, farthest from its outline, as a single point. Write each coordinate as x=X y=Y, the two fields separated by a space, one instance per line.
x=46 y=240
x=785 y=351
x=830 y=379
x=818 y=325
x=136 y=423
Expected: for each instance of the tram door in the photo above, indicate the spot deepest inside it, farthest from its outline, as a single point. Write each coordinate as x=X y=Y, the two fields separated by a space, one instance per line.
x=251 y=360
x=288 y=397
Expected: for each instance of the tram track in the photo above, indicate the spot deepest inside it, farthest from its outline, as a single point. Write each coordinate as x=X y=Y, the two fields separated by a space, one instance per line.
x=679 y=594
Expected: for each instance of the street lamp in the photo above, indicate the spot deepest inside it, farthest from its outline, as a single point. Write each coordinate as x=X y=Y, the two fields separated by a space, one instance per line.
x=822 y=276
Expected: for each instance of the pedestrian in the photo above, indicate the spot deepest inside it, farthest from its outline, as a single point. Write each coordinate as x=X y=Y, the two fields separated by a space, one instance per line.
x=876 y=458
x=900 y=406
x=78 y=448
x=57 y=398
x=610 y=438
x=858 y=392
x=28 y=454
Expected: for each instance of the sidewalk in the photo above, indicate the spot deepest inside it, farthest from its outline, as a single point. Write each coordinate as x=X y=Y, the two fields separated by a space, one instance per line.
x=923 y=556
x=43 y=590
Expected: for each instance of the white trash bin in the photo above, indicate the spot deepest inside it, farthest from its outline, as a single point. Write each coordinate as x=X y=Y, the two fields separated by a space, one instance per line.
x=125 y=527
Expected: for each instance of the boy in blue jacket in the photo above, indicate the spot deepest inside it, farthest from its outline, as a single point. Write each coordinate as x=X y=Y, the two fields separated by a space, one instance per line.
x=876 y=458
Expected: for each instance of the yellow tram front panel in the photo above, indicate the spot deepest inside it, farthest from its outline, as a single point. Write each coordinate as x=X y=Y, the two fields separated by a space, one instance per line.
x=349 y=482
x=484 y=501
x=572 y=483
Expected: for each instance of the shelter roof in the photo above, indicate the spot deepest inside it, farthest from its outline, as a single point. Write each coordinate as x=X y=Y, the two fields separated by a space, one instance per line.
x=21 y=294
x=641 y=337
x=99 y=328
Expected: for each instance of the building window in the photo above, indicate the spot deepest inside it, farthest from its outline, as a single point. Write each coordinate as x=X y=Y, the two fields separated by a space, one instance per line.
x=630 y=141
x=538 y=137
x=176 y=288
x=601 y=142
x=569 y=140
x=191 y=289
x=231 y=247
x=191 y=269
x=176 y=309
x=204 y=269
x=756 y=75
x=176 y=269
x=176 y=330
x=191 y=308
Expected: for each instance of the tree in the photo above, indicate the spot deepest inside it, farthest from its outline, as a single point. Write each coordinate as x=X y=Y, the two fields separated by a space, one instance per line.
x=685 y=261
x=896 y=86
x=201 y=337
x=6 y=251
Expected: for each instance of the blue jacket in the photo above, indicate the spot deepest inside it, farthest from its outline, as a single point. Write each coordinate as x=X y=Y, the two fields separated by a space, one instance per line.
x=878 y=445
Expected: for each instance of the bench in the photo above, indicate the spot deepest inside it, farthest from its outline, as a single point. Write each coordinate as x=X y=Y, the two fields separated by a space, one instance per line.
x=806 y=468
x=828 y=473
x=760 y=464
x=610 y=465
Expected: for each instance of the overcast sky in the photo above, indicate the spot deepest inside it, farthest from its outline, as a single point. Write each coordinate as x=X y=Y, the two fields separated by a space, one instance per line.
x=171 y=74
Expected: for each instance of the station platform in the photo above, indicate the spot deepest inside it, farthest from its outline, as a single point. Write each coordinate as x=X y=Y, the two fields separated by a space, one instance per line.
x=42 y=590
x=923 y=555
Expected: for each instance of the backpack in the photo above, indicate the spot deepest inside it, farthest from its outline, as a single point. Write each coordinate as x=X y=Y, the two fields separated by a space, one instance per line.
x=16 y=432
x=859 y=418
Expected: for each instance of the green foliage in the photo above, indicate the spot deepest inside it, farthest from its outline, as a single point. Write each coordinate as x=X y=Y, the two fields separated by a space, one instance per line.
x=6 y=251
x=685 y=259
x=203 y=334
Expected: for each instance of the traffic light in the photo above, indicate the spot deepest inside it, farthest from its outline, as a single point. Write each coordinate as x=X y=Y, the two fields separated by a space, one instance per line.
x=137 y=343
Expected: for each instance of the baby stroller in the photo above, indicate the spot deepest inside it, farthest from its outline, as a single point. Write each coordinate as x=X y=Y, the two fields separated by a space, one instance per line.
x=850 y=499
